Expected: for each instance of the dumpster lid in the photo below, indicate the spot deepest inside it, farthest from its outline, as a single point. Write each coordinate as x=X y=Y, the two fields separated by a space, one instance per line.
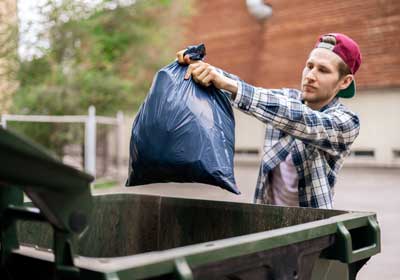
x=61 y=192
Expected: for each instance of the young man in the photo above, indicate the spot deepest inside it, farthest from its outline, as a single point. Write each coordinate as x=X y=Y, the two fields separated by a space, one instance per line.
x=309 y=133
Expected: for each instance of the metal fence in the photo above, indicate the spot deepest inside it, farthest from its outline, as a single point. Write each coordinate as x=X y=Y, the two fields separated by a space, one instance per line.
x=90 y=121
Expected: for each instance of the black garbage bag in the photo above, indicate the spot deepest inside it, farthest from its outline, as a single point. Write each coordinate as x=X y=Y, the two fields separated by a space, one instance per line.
x=184 y=132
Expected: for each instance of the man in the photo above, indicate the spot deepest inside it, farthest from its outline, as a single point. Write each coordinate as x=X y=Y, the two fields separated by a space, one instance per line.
x=309 y=133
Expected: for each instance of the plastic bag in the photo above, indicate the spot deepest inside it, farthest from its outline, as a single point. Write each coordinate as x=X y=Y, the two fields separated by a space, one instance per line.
x=184 y=132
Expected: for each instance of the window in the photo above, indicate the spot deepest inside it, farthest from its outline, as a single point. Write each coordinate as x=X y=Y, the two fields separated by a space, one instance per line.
x=396 y=153
x=363 y=153
x=253 y=152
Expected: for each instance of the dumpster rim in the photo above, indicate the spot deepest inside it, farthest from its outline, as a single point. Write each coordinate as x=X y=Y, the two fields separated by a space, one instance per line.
x=163 y=262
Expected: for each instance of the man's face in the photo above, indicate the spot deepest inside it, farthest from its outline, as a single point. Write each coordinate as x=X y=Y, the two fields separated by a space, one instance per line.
x=320 y=80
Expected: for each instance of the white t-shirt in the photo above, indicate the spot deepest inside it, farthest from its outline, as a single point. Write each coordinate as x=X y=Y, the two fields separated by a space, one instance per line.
x=284 y=184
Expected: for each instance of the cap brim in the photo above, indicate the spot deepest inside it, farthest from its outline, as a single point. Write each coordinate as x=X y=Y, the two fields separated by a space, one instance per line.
x=348 y=92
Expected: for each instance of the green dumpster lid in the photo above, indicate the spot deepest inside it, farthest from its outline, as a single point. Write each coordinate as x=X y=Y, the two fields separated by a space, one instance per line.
x=61 y=192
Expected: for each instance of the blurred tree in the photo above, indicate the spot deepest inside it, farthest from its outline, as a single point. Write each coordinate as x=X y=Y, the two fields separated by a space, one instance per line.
x=8 y=53
x=103 y=55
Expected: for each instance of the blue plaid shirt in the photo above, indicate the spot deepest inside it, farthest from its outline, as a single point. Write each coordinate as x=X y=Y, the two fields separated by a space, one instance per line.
x=317 y=140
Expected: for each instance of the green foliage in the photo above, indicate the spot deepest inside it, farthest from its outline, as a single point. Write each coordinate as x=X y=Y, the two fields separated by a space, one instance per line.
x=105 y=184
x=97 y=56
x=33 y=72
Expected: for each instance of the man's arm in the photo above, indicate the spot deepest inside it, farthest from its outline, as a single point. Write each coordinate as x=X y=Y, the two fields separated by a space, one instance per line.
x=332 y=132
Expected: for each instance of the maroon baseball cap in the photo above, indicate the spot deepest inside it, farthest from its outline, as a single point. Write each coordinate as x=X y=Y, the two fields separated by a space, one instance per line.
x=348 y=50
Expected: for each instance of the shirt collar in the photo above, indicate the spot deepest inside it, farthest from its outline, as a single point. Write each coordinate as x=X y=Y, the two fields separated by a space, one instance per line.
x=333 y=103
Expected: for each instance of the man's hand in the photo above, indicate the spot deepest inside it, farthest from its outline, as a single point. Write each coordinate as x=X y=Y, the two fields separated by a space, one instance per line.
x=202 y=73
x=183 y=59
x=206 y=74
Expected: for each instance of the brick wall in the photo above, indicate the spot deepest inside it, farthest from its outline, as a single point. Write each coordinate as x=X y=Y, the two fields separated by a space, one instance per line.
x=273 y=54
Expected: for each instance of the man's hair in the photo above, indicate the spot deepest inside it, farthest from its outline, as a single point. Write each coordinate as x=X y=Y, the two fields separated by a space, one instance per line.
x=343 y=68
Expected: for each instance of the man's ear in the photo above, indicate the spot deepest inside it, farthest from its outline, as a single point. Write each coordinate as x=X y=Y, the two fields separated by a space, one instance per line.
x=346 y=81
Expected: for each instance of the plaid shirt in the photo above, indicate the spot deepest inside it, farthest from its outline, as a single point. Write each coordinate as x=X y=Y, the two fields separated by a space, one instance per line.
x=318 y=140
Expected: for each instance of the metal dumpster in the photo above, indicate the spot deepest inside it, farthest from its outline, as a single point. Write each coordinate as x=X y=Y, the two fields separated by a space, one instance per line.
x=69 y=234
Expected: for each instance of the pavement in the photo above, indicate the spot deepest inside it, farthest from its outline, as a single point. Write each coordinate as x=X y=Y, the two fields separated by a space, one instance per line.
x=375 y=190
x=361 y=189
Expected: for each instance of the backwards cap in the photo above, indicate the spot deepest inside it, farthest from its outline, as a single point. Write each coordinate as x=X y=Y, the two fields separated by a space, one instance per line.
x=349 y=52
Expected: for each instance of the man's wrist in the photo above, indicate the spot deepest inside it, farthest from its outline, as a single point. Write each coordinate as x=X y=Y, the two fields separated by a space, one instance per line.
x=231 y=86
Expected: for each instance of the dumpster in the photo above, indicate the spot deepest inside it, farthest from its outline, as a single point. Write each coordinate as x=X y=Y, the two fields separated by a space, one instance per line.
x=66 y=233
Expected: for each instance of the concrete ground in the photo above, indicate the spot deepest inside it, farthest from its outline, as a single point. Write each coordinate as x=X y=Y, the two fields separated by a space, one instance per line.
x=362 y=189
x=376 y=190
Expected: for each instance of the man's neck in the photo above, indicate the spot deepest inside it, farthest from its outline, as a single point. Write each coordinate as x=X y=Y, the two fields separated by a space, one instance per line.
x=318 y=105
x=315 y=106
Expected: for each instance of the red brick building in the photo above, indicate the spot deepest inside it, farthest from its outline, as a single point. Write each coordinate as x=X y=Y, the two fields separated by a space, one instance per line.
x=272 y=54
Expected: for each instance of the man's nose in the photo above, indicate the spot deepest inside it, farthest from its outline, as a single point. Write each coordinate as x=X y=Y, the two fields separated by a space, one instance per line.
x=310 y=75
